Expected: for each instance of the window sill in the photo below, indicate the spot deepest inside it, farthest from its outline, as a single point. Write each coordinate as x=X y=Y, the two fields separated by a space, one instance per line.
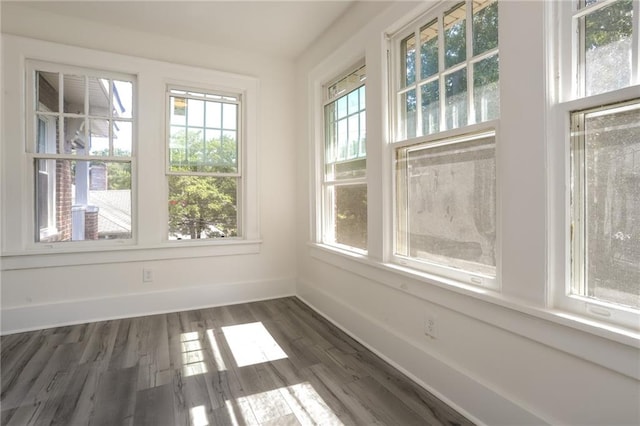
x=43 y=258
x=550 y=327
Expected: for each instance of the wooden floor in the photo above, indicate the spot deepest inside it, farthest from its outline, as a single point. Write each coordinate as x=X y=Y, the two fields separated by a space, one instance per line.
x=266 y=363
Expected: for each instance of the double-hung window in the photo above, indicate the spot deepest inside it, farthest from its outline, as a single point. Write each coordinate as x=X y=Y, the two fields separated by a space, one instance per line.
x=204 y=164
x=445 y=85
x=344 y=192
x=80 y=143
x=599 y=112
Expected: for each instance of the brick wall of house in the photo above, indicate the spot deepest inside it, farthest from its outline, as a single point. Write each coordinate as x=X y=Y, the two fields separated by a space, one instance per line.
x=91 y=223
x=63 y=199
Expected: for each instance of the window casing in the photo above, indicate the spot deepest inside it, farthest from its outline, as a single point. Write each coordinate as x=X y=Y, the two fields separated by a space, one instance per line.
x=204 y=173
x=597 y=116
x=80 y=145
x=344 y=186
x=445 y=85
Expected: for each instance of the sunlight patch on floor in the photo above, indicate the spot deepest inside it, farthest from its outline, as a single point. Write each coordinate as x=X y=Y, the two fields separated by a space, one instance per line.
x=217 y=354
x=252 y=344
x=192 y=354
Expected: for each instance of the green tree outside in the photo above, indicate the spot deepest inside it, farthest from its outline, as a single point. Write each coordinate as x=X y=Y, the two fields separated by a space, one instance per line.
x=202 y=206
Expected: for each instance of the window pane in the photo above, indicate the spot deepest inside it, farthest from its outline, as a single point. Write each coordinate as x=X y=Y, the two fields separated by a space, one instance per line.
x=99 y=97
x=123 y=99
x=485 y=25
x=408 y=52
x=486 y=90
x=47 y=134
x=83 y=200
x=47 y=91
x=455 y=85
x=408 y=114
x=214 y=115
x=195 y=113
x=122 y=138
x=354 y=136
x=230 y=116
x=351 y=215
x=341 y=104
x=353 y=100
x=202 y=207
x=74 y=136
x=609 y=178
x=455 y=35
x=447 y=205
x=343 y=139
x=429 y=49
x=607 y=43
x=178 y=110
x=430 y=107
x=99 y=137
x=74 y=94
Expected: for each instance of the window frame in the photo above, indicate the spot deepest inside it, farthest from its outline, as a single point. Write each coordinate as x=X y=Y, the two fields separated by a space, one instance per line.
x=568 y=97
x=444 y=135
x=327 y=186
x=240 y=146
x=31 y=155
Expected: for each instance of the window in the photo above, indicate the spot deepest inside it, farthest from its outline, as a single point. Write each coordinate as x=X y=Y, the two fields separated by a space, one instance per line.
x=204 y=167
x=446 y=89
x=606 y=204
x=344 y=194
x=599 y=96
x=448 y=80
x=80 y=146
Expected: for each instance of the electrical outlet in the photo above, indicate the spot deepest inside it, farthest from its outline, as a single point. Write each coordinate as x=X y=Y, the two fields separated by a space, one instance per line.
x=430 y=326
x=147 y=275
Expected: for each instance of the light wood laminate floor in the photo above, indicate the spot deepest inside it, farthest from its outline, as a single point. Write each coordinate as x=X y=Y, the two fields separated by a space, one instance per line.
x=275 y=362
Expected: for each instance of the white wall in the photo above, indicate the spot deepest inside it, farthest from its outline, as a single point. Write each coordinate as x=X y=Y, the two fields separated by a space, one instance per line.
x=500 y=357
x=47 y=290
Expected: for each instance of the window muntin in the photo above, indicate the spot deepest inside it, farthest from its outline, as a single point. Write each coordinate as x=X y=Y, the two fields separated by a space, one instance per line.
x=446 y=206
x=605 y=246
x=455 y=80
x=344 y=192
x=81 y=151
x=203 y=164
x=605 y=45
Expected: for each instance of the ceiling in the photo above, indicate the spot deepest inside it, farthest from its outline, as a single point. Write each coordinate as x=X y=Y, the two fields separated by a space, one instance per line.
x=280 y=28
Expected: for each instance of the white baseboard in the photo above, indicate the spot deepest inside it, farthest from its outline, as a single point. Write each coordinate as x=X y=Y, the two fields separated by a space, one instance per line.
x=469 y=396
x=35 y=317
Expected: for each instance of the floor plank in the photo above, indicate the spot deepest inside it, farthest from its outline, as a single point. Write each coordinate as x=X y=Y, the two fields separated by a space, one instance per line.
x=275 y=362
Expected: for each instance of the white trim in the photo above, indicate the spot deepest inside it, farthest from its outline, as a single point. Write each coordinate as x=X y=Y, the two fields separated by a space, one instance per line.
x=620 y=347
x=128 y=253
x=35 y=317
x=450 y=383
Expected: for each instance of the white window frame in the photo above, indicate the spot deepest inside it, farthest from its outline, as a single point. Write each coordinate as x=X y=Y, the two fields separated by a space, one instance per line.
x=226 y=97
x=327 y=198
x=32 y=117
x=568 y=97
x=471 y=130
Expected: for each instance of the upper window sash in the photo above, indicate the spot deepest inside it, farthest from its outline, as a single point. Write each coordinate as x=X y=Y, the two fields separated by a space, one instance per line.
x=213 y=117
x=600 y=46
x=445 y=69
